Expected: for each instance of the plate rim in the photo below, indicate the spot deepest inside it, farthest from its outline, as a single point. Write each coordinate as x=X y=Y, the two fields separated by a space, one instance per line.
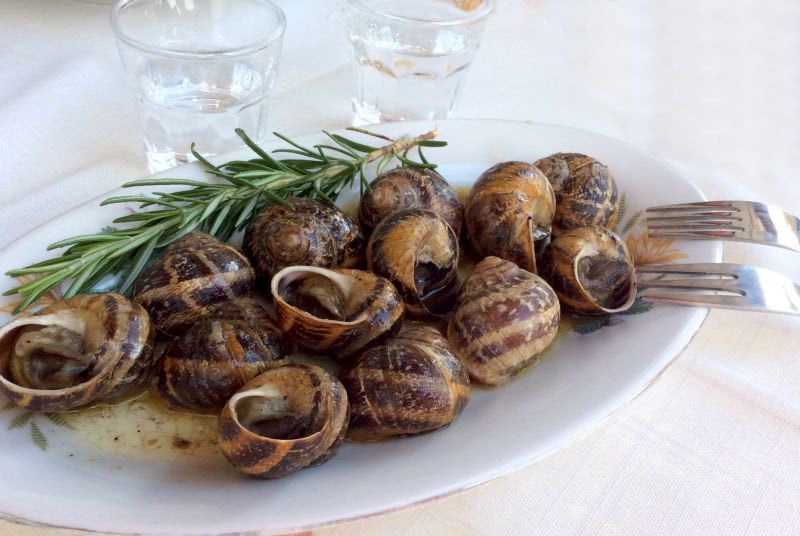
x=483 y=479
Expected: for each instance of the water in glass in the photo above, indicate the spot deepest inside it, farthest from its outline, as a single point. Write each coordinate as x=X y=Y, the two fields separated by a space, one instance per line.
x=181 y=104
x=407 y=69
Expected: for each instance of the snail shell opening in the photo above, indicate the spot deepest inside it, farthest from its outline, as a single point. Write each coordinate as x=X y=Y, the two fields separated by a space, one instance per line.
x=591 y=270
x=607 y=282
x=418 y=251
x=283 y=420
x=80 y=350
x=340 y=310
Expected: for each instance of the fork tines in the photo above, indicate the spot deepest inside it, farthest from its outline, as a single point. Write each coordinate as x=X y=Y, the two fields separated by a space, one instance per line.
x=724 y=285
x=711 y=219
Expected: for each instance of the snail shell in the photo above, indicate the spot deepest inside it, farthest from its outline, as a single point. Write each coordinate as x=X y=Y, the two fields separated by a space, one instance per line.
x=194 y=274
x=85 y=349
x=591 y=270
x=311 y=233
x=410 y=187
x=510 y=207
x=339 y=311
x=211 y=360
x=586 y=193
x=506 y=317
x=410 y=384
x=417 y=251
x=248 y=310
x=284 y=420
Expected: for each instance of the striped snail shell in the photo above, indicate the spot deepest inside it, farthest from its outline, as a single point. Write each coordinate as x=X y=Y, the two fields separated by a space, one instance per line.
x=211 y=360
x=338 y=311
x=286 y=419
x=410 y=384
x=510 y=207
x=195 y=273
x=311 y=233
x=591 y=270
x=506 y=317
x=586 y=193
x=417 y=251
x=86 y=349
x=410 y=187
x=246 y=309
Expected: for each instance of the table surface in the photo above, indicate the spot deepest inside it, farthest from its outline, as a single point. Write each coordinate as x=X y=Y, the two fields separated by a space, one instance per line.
x=712 y=86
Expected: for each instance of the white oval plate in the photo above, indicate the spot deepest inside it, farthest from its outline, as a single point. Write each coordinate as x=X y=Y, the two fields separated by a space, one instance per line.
x=585 y=377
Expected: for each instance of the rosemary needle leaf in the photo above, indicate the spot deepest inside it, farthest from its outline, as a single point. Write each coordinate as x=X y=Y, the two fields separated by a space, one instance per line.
x=139 y=262
x=79 y=281
x=341 y=140
x=219 y=220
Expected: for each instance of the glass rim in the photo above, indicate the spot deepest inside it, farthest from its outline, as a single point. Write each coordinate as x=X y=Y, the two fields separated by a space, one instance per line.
x=119 y=7
x=470 y=18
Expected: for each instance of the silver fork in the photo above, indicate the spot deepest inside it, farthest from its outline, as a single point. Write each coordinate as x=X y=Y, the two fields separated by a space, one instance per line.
x=722 y=285
x=726 y=220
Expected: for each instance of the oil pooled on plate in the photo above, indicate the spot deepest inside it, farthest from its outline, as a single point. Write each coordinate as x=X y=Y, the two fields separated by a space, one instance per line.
x=143 y=428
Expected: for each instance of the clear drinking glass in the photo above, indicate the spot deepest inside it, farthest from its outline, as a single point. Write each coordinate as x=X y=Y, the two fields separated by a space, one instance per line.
x=201 y=68
x=410 y=56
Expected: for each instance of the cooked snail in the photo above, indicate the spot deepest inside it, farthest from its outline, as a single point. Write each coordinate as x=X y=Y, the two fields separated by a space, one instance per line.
x=246 y=309
x=311 y=233
x=194 y=274
x=211 y=360
x=410 y=384
x=417 y=251
x=510 y=207
x=284 y=420
x=339 y=311
x=85 y=349
x=591 y=270
x=586 y=193
x=506 y=317
x=410 y=187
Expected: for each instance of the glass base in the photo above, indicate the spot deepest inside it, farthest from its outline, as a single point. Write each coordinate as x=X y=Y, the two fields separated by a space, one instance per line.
x=369 y=115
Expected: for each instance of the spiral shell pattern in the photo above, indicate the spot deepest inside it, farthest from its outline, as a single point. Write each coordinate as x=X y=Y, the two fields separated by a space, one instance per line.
x=311 y=233
x=418 y=252
x=591 y=270
x=205 y=365
x=410 y=187
x=410 y=384
x=586 y=193
x=192 y=277
x=506 y=317
x=284 y=420
x=511 y=206
x=81 y=350
x=335 y=311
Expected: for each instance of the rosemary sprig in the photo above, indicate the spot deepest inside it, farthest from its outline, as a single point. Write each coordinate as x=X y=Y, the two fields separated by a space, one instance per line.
x=220 y=207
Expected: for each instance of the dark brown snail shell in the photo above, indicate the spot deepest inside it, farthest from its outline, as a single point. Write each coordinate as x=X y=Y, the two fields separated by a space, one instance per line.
x=509 y=209
x=335 y=311
x=506 y=317
x=247 y=309
x=410 y=187
x=410 y=384
x=311 y=233
x=586 y=193
x=286 y=419
x=418 y=252
x=211 y=360
x=86 y=349
x=190 y=279
x=591 y=270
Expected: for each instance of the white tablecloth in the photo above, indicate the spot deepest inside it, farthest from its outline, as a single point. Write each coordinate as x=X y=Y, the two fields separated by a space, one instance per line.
x=713 y=86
